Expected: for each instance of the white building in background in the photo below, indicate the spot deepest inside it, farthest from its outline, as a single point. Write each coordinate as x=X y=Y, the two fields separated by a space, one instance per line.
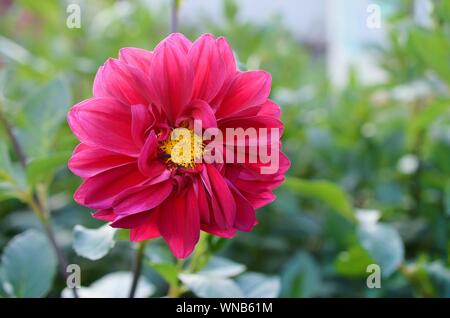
x=344 y=29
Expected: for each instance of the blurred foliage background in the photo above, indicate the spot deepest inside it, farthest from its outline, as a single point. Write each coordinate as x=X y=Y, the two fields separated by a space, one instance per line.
x=369 y=181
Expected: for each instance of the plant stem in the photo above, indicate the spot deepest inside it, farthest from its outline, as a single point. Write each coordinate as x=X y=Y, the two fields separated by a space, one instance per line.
x=174 y=16
x=15 y=142
x=175 y=290
x=137 y=268
x=36 y=204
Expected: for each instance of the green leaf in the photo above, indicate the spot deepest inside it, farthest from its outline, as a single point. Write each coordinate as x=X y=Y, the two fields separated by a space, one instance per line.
x=167 y=271
x=424 y=119
x=256 y=285
x=93 y=244
x=441 y=276
x=208 y=286
x=42 y=169
x=222 y=267
x=44 y=113
x=300 y=276
x=114 y=285
x=325 y=191
x=29 y=264
x=384 y=245
x=433 y=48
x=354 y=262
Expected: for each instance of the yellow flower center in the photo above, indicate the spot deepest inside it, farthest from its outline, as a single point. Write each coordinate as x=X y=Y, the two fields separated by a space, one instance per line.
x=184 y=147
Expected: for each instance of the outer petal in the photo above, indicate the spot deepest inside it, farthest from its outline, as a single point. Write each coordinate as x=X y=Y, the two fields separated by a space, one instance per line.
x=223 y=205
x=179 y=223
x=136 y=57
x=90 y=161
x=171 y=79
x=215 y=230
x=245 y=213
x=179 y=40
x=148 y=230
x=230 y=70
x=248 y=89
x=104 y=215
x=208 y=67
x=142 y=198
x=99 y=191
x=104 y=123
x=117 y=79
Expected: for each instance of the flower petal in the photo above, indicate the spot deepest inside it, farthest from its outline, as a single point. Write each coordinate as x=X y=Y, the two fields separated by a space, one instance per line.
x=248 y=89
x=90 y=161
x=136 y=57
x=119 y=80
x=245 y=213
x=99 y=191
x=141 y=120
x=208 y=67
x=179 y=223
x=148 y=230
x=223 y=205
x=104 y=123
x=199 y=110
x=143 y=197
x=104 y=215
x=171 y=79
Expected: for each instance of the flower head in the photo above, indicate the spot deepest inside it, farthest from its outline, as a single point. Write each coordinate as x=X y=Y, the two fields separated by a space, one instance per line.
x=142 y=155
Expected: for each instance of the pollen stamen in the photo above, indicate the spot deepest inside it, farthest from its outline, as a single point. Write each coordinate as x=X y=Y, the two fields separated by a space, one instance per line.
x=184 y=147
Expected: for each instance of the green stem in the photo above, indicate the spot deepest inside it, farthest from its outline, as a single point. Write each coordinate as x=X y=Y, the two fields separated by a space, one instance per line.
x=137 y=269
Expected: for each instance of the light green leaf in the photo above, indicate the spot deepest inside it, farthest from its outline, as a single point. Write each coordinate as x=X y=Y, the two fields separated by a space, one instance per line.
x=384 y=245
x=44 y=113
x=222 y=267
x=167 y=271
x=207 y=286
x=93 y=244
x=114 y=285
x=325 y=191
x=354 y=262
x=256 y=285
x=425 y=118
x=29 y=264
x=43 y=169
x=300 y=276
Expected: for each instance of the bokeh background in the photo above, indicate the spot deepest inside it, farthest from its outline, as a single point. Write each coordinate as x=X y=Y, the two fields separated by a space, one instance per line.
x=367 y=130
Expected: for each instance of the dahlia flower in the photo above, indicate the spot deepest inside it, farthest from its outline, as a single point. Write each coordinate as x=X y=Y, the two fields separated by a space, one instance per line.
x=135 y=175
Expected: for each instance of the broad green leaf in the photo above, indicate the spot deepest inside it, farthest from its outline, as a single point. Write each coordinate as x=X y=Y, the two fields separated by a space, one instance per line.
x=441 y=276
x=222 y=267
x=256 y=285
x=354 y=262
x=43 y=169
x=421 y=122
x=113 y=285
x=93 y=244
x=384 y=245
x=325 y=191
x=434 y=50
x=29 y=264
x=44 y=113
x=447 y=199
x=300 y=276
x=169 y=272
x=207 y=286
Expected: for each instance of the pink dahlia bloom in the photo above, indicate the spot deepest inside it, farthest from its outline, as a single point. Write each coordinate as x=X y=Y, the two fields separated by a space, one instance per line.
x=125 y=156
